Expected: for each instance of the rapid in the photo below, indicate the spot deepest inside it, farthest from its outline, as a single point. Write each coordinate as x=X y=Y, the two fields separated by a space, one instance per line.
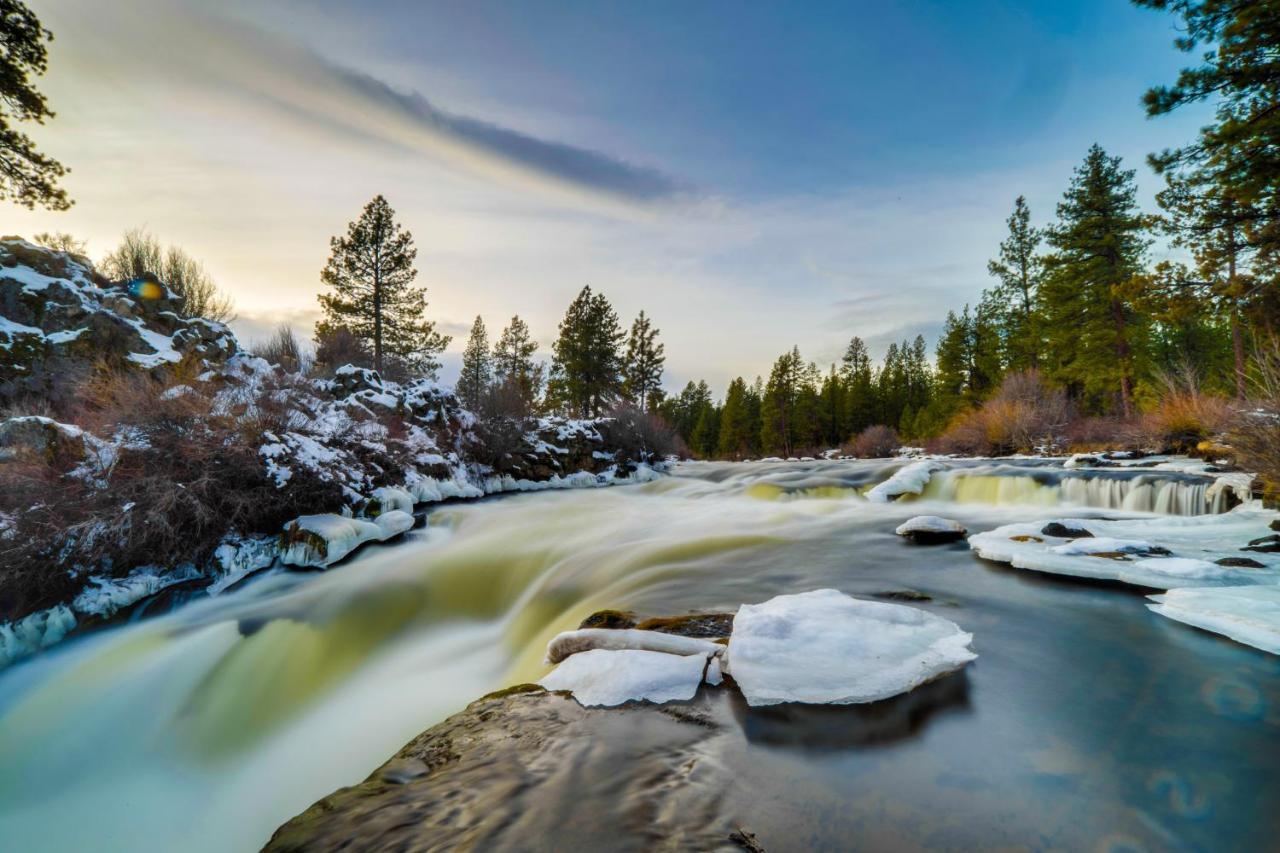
x=205 y=728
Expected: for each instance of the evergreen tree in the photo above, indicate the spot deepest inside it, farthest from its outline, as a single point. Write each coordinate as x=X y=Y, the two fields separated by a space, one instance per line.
x=706 y=432
x=586 y=368
x=27 y=177
x=778 y=408
x=860 y=393
x=1241 y=146
x=1018 y=269
x=477 y=368
x=832 y=409
x=513 y=361
x=952 y=358
x=734 y=440
x=644 y=362
x=371 y=270
x=1091 y=283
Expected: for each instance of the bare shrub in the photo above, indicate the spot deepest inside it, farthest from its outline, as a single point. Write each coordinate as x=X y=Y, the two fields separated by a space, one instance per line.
x=1184 y=415
x=875 y=442
x=1255 y=435
x=284 y=349
x=1023 y=415
x=340 y=346
x=140 y=254
x=641 y=436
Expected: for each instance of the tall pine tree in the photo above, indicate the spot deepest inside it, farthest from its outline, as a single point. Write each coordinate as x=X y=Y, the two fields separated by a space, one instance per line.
x=586 y=369
x=1092 y=280
x=644 y=362
x=513 y=362
x=27 y=177
x=477 y=368
x=371 y=271
x=1018 y=269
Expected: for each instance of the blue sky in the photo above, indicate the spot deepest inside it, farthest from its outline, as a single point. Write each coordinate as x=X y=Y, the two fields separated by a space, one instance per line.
x=752 y=175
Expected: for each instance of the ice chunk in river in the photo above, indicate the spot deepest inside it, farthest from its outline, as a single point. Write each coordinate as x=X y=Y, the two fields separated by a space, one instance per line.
x=827 y=647
x=609 y=677
x=1246 y=614
x=322 y=540
x=910 y=480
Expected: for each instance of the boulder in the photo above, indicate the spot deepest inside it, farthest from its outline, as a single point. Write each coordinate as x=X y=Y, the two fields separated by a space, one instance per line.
x=1065 y=530
x=931 y=530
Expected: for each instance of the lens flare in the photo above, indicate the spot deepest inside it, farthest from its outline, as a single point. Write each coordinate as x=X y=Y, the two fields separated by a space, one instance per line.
x=145 y=288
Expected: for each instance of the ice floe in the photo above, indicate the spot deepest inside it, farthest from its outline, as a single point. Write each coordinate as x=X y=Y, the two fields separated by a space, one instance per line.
x=1161 y=552
x=828 y=647
x=568 y=643
x=609 y=677
x=1246 y=614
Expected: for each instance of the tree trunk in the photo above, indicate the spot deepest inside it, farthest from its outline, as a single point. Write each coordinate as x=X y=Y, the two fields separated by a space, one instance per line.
x=1122 y=356
x=1237 y=335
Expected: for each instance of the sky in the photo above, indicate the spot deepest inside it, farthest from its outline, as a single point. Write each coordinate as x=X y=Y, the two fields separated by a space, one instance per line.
x=752 y=175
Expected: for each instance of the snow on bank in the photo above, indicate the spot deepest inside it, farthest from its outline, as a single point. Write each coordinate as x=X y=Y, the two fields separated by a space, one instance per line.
x=103 y=596
x=1246 y=614
x=909 y=480
x=607 y=677
x=32 y=633
x=1163 y=552
x=827 y=647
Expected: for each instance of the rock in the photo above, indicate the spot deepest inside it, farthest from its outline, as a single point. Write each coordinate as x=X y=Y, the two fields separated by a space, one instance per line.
x=1264 y=544
x=319 y=541
x=691 y=625
x=41 y=439
x=826 y=647
x=609 y=619
x=902 y=595
x=1026 y=538
x=931 y=530
x=1240 y=562
x=1065 y=530
x=507 y=770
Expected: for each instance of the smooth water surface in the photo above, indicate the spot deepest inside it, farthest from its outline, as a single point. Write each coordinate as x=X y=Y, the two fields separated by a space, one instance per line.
x=1087 y=721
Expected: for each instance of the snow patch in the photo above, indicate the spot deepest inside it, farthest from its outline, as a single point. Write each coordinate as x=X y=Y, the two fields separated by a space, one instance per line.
x=909 y=480
x=603 y=677
x=1246 y=614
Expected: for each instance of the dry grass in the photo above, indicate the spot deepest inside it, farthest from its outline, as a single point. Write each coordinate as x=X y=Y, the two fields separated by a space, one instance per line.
x=1184 y=416
x=1023 y=415
x=1255 y=435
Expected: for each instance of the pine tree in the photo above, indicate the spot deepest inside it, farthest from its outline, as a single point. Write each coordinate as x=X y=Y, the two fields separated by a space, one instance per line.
x=371 y=270
x=644 y=362
x=860 y=393
x=952 y=357
x=734 y=440
x=27 y=177
x=778 y=425
x=832 y=409
x=586 y=369
x=1240 y=73
x=706 y=432
x=477 y=368
x=513 y=362
x=1019 y=269
x=1094 y=334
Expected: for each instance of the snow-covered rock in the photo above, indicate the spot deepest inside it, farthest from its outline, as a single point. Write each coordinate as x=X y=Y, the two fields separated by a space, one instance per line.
x=568 y=643
x=1246 y=614
x=931 y=529
x=321 y=540
x=830 y=648
x=604 y=677
x=387 y=498
x=238 y=557
x=909 y=480
x=1179 y=551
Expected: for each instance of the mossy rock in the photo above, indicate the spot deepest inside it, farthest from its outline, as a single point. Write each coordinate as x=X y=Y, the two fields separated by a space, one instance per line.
x=609 y=619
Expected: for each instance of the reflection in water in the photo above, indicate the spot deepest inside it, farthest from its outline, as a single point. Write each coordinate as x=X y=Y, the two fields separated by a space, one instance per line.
x=205 y=728
x=826 y=727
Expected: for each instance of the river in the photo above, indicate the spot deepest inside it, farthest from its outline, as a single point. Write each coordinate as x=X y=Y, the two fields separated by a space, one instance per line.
x=1086 y=721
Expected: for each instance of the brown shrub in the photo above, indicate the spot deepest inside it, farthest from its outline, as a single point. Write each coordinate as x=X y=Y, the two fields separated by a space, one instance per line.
x=641 y=436
x=1183 y=417
x=874 y=442
x=1023 y=415
x=1256 y=433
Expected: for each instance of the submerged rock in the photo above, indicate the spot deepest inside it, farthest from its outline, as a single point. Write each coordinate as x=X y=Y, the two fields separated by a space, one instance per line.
x=507 y=773
x=827 y=647
x=1240 y=562
x=931 y=530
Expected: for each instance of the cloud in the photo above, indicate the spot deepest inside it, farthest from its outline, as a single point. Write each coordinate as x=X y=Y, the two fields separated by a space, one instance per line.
x=214 y=65
x=562 y=162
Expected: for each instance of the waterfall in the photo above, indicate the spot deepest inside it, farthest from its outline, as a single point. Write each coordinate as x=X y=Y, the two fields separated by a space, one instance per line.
x=1166 y=494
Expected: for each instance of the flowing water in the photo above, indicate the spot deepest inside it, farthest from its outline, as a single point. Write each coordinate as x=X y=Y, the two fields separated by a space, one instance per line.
x=1086 y=721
